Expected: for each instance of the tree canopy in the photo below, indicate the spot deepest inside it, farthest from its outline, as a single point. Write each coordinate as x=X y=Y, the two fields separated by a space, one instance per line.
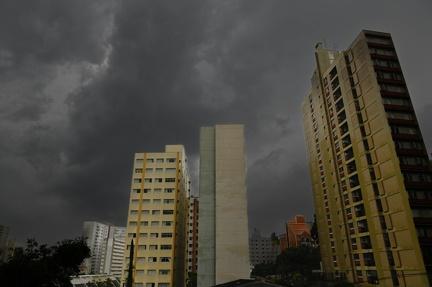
x=44 y=266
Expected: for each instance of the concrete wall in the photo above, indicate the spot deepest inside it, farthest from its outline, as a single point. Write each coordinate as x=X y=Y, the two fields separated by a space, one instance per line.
x=223 y=249
x=206 y=232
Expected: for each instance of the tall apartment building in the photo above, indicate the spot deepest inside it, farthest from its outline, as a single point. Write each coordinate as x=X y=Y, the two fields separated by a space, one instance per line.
x=370 y=171
x=262 y=249
x=193 y=234
x=96 y=234
x=112 y=255
x=157 y=218
x=107 y=245
x=223 y=251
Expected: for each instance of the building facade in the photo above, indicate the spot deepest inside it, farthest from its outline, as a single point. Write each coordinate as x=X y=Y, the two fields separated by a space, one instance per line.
x=112 y=258
x=262 y=250
x=96 y=234
x=193 y=234
x=370 y=170
x=223 y=251
x=298 y=232
x=157 y=219
x=107 y=245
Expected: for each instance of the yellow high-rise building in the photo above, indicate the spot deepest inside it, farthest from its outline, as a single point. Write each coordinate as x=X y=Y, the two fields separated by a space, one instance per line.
x=157 y=219
x=370 y=171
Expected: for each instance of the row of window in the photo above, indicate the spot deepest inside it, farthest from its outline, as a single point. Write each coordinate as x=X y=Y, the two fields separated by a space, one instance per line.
x=148 y=180
x=153 y=247
x=151 y=223
x=153 y=212
x=158 y=160
x=159 y=169
x=152 y=235
x=155 y=190
x=155 y=201
x=142 y=260
x=152 y=272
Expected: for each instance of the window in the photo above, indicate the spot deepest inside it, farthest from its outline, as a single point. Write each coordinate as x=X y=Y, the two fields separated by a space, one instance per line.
x=171 y=170
x=152 y=259
x=155 y=212
x=138 y=170
x=413 y=160
x=155 y=223
x=351 y=167
x=335 y=83
x=409 y=145
x=404 y=130
x=159 y=160
x=354 y=181
x=149 y=170
x=164 y=272
x=393 y=88
x=136 y=190
x=158 y=179
x=396 y=102
x=150 y=160
x=400 y=116
x=389 y=76
x=132 y=223
x=171 y=160
x=344 y=129
x=153 y=247
x=148 y=180
x=418 y=177
x=166 y=235
x=359 y=210
x=167 y=223
x=362 y=226
x=423 y=213
x=159 y=169
x=156 y=201
x=137 y=180
x=147 y=190
x=157 y=190
x=163 y=285
x=168 y=190
x=170 y=179
x=386 y=63
x=168 y=201
x=383 y=52
x=146 y=201
x=165 y=247
x=151 y=272
x=168 y=211
x=349 y=154
x=165 y=259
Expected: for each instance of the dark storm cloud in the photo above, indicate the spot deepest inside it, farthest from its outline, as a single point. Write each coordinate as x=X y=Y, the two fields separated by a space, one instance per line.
x=85 y=84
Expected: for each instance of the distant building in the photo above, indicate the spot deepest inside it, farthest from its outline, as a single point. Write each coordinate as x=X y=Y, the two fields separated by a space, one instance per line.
x=283 y=242
x=107 y=244
x=92 y=280
x=4 y=236
x=112 y=259
x=193 y=234
x=298 y=232
x=262 y=249
x=223 y=254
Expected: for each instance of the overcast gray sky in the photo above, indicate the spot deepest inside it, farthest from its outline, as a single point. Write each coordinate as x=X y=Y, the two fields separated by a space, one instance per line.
x=85 y=84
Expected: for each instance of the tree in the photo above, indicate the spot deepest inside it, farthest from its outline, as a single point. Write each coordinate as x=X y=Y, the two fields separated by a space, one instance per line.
x=295 y=265
x=41 y=265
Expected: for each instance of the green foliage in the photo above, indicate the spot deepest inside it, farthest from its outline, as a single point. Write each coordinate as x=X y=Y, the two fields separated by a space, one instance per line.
x=41 y=265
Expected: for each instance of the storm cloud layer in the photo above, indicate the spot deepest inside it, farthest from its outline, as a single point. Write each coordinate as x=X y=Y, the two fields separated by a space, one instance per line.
x=85 y=84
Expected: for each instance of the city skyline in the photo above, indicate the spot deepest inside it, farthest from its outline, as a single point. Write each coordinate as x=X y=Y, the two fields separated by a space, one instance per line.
x=76 y=104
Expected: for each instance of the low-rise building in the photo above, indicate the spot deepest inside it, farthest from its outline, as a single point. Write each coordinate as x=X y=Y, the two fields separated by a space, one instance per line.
x=262 y=249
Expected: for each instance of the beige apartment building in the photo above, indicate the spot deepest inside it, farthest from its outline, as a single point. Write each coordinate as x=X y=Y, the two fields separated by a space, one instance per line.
x=370 y=171
x=157 y=219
